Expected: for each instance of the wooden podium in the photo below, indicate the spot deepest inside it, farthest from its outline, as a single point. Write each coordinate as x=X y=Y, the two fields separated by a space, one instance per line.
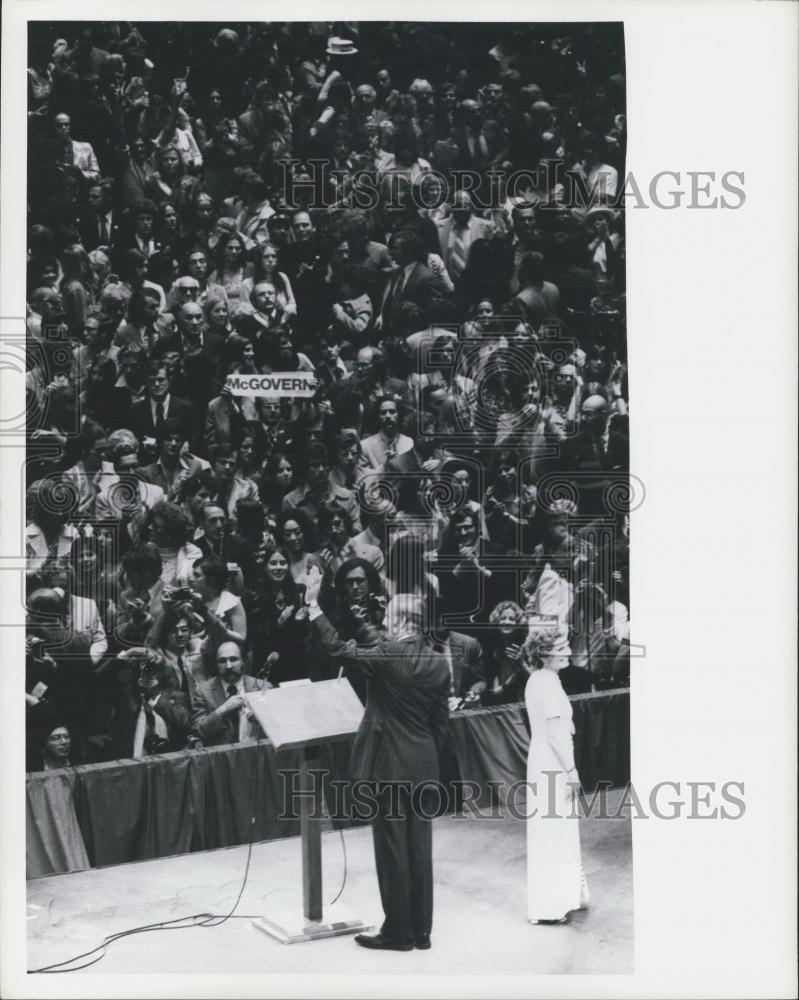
x=303 y=717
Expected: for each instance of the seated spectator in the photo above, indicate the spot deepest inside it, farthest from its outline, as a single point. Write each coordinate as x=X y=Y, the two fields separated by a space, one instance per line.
x=505 y=673
x=220 y=712
x=50 y=747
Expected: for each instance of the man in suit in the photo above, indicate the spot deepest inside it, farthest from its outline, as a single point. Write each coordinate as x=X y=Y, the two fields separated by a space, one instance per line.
x=148 y=417
x=599 y=456
x=219 y=711
x=72 y=153
x=395 y=754
x=415 y=296
x=174 y=464
x=191 y=338
x=378 y=449
x=458 y=232
x=149 y=716
x=135 y=175
x=99 y=225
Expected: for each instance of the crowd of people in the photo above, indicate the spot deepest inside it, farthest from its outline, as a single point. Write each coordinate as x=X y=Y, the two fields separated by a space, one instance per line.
x=423 y=217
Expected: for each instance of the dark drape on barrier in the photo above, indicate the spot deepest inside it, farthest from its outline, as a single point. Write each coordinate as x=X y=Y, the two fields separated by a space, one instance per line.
x=491 y=746
x=54 y=842
x=602 y=738
x=130 y=810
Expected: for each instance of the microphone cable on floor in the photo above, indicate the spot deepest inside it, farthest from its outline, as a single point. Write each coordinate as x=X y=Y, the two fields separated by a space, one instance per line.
x=179 y=923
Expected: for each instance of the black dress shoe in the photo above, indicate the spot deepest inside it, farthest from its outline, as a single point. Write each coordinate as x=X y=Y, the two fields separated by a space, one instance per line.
x=422 y=942
x=377 y=941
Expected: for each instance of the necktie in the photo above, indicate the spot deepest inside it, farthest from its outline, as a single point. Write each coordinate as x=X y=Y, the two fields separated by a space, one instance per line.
x=149 y=731
x=103 y=231
x=232 y=690
x=456 y=264
x=184 y=684
x=159 y=417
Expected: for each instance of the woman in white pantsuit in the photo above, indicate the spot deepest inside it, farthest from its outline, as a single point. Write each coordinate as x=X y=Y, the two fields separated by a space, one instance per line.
x=555 y=881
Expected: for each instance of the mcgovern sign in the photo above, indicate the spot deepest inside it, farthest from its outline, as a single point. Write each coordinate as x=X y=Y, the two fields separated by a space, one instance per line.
x=276 y=386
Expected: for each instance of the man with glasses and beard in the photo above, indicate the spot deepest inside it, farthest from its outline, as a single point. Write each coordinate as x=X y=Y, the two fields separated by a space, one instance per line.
x=220 y=712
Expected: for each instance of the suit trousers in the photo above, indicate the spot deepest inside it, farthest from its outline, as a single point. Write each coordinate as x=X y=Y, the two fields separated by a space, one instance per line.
x=403 y=842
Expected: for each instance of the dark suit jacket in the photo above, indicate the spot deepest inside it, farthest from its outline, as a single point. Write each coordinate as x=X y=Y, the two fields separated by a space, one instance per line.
x=212 y=728
x=595 y=471
x=143 y=425
x=581 y=453
x=172 y=706
x=90 y=233
x=467 y=662
x=470 y=594
x=425 y=292
x=407 y=714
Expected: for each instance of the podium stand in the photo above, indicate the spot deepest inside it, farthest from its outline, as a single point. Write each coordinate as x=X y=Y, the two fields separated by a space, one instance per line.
x=303 y=717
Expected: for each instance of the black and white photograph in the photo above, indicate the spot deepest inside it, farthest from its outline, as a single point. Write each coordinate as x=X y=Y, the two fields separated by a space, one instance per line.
x=331 y=436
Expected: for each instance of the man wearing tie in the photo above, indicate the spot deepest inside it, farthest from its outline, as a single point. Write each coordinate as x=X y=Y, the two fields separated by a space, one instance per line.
x=395 y=754
x=99 y=227
x=220 y=712
x=599 y=454
x=457 y=233
x=378 y=448
x=148 y=417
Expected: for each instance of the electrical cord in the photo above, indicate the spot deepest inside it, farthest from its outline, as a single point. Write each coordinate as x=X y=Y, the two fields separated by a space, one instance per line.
x=179 y=923
x=344 y=877
x=195 y=919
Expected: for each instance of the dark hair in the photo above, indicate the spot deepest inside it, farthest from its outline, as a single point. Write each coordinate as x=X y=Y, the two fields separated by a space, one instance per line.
x=305 y=523
x=372 y=576
x=412 y=240
x=326 y=515
x=136 y=313
x=201 y=478
x=129 y=261
x=144 y=558
x=316 y=452
x=213 y=569
x=531 y=269
x=178 y=523
x=449 y=544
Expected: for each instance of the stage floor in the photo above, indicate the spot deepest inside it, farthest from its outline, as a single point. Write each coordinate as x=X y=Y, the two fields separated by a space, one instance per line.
x=479 y=924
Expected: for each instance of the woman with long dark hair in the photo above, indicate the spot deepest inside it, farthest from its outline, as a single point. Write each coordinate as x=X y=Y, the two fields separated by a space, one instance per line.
x=265 y=269
x=231 y=268
x=278 y=479
x=276 y=608
x=295 y=533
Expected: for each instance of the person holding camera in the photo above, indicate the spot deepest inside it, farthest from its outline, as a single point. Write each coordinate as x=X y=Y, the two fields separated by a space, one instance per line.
x=149 y=715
